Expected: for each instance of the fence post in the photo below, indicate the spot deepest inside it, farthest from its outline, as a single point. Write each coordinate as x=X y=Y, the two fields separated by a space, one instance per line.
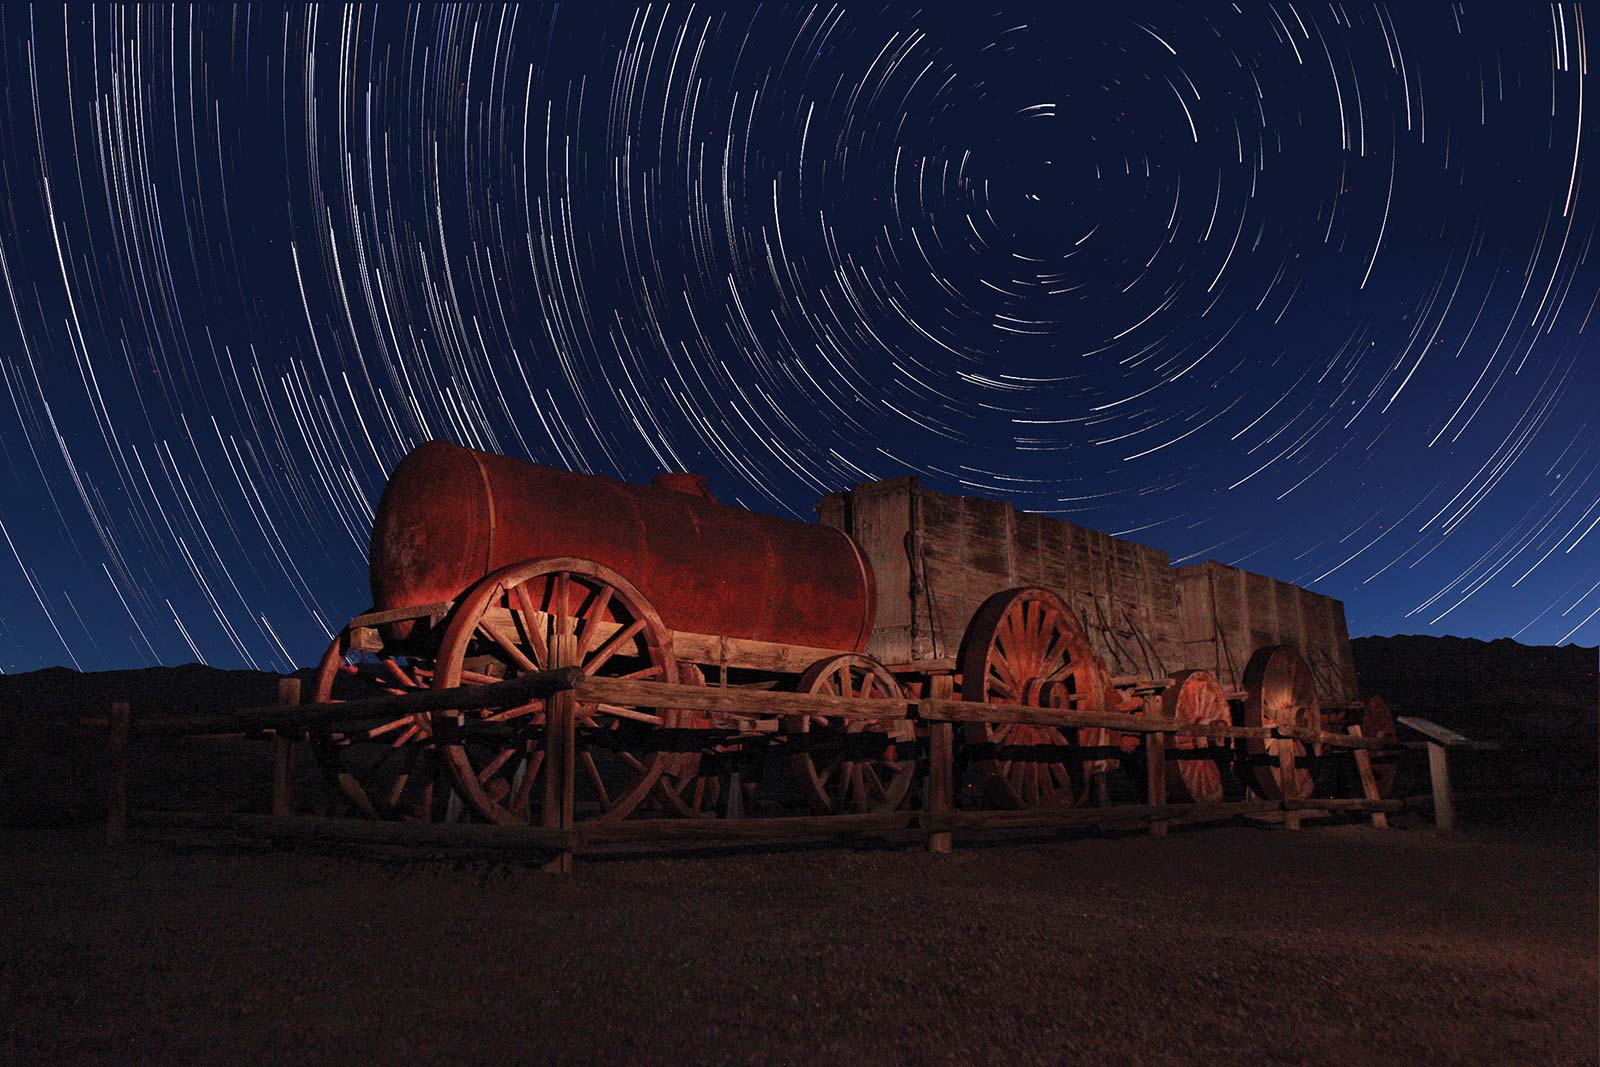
x=1444 y=808
x=117 y=786
x=939 y=788
x=1369 y=784
x=1155 y=777
x=560 y=740
x=1291 y=817
x=283 y=753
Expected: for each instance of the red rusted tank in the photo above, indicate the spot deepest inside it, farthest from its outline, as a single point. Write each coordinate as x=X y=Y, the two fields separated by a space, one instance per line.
x=450 y=515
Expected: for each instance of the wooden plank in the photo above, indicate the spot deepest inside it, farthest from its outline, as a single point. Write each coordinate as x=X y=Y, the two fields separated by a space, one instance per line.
x=1444 y=808
x=468 y=697
x=479 y=836
x=1261 y=608
x=1231 y=623
x=117 y=780
x=1377 y=806
x=738 y=652
x=938 y=792
x=423 y=611
x=560 y=746
x=971 y=711
x=1325 y=737
x=834 y=510
x=748 y=703
x=880 y=516
x=1345 y=653
x=782 y=828
x=1120 y=814
x=1286 y=774
x=1155 y=779
x=1433 y=731
x=283 y=753
x=1369 y=783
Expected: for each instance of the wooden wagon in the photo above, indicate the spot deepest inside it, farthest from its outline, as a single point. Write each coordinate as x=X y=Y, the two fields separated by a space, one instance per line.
x=555 y=659
x=932 y=601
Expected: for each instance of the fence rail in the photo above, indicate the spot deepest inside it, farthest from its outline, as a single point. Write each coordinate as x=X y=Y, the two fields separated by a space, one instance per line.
x=562 y=689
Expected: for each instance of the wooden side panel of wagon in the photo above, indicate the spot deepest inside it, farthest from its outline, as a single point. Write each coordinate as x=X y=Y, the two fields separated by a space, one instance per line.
x=958 y=550
x=1226 y=614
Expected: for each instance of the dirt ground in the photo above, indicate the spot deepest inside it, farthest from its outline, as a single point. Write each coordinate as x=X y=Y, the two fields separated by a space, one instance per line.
x=1234 y=944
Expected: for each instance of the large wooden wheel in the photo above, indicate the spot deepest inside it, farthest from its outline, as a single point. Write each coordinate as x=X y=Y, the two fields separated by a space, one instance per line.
x=1193 y=774
x=509 y=617
x=1279 y=691
x=385 y=770
x=1377 y=722
x=1024 y=646
x=854 y=765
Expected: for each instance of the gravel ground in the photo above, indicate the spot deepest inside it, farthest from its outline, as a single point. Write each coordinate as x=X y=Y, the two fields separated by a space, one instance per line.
x=1237 y=945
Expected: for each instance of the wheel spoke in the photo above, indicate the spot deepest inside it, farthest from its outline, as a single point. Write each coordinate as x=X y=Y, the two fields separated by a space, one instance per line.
x=593 y=773
x=515 y=654
x=591 y=620
x=613 y=644
x=532 y=626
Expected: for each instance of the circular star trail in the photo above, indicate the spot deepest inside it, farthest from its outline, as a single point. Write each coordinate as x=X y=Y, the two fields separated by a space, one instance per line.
x=1304 y=289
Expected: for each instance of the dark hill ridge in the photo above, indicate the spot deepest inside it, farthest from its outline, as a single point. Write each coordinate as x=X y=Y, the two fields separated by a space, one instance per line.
x=1488 y=689
x=52 y=772
x=57 y=693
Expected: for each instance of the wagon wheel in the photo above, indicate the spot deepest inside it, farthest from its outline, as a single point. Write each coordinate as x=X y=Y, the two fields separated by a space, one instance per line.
x=1193 y=774
x=1377 y=721
x=693 y=783
x=1024 y=646
x=510 y=616
x=859 y=765
x=385 y=770
x=1279 y=691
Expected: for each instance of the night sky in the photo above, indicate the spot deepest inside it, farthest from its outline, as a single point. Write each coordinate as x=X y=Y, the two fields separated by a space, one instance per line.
x=1306 y=289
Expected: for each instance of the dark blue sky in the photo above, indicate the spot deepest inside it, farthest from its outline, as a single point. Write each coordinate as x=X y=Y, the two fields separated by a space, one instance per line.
x=1304 y=289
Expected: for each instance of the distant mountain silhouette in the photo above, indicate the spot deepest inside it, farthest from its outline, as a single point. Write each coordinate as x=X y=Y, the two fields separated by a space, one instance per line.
x=1491 y=690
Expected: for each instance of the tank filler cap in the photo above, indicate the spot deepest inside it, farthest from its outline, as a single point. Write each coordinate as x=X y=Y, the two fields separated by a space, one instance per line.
x=683 y=482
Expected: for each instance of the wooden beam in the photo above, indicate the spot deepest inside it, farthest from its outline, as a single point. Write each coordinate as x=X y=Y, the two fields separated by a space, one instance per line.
x=117 y=780
x=379 y=618
x=1433 y=731
x=1444 y=808
x=1117 y=815
x=1369 y=782
x=1324 y=737
x=515 y=839
x=782 y=828
x=559 y=751
x=463 y=698
x=747 y=654
x=749 y=703
x=1291 y=816
x=1155 y=779
x=283 y=753
x=1375 y=806
x=938 y=790
x=972 y=711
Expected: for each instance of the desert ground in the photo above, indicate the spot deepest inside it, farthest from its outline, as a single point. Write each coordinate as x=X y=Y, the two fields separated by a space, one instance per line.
x=1228 y=944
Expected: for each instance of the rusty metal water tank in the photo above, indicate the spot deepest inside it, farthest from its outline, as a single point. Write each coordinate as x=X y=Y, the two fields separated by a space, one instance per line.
x=450 y=515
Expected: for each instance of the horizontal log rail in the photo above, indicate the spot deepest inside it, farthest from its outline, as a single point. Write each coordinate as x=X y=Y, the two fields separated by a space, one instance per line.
x=747 y=703
x=529 y=839
x=570 y=689
x=736 y=701
x=463 y=698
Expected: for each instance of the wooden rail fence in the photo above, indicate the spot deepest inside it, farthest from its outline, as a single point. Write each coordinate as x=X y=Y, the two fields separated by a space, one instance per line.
x=564 y=687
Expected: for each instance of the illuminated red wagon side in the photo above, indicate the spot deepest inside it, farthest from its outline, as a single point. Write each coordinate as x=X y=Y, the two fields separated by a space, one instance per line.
x=478 y=561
